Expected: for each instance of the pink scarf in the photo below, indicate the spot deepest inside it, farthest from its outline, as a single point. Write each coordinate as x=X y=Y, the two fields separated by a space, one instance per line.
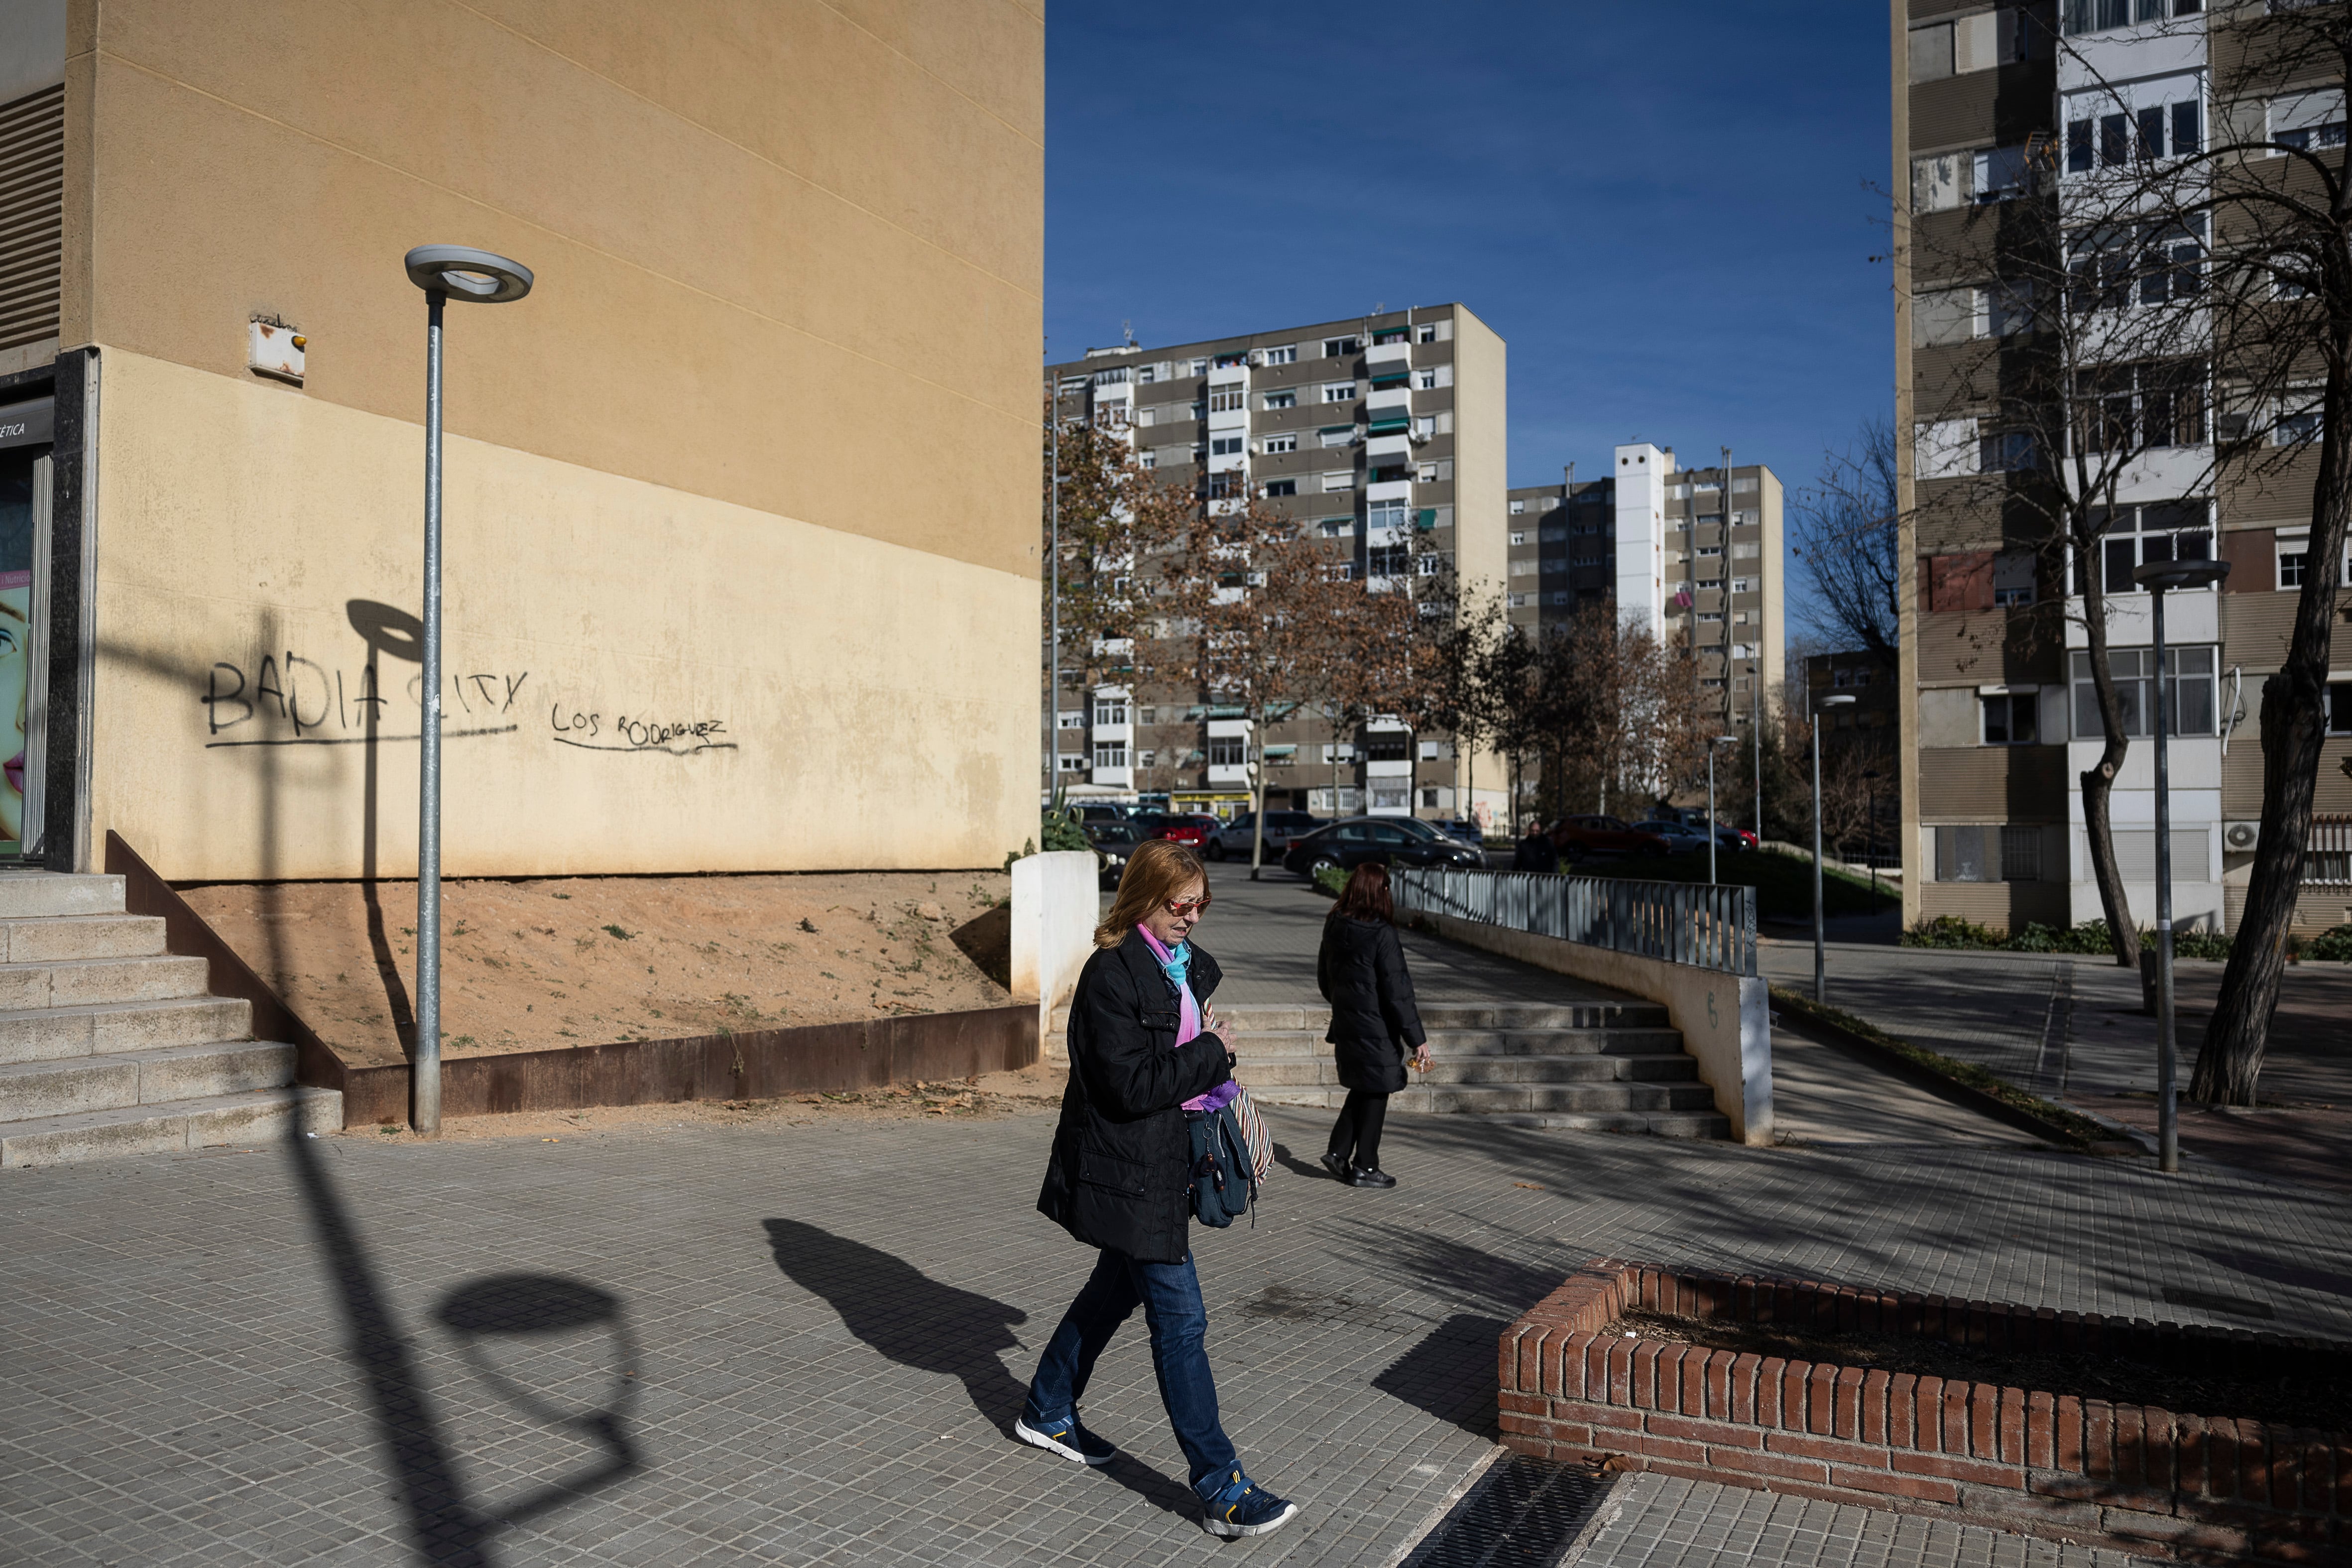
x=1188 y=1027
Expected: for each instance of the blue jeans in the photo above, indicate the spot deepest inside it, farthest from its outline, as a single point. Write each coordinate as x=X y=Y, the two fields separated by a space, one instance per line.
x=1170 y=1294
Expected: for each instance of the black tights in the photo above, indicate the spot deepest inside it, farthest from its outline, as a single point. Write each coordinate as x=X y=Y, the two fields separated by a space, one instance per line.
x=1359 y=1129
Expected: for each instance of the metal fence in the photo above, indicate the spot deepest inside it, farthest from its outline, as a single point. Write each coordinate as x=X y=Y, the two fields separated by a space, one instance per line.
x=1701 y=924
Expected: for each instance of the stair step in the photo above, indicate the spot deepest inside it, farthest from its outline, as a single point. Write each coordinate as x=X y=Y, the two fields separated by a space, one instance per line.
x=1448 y=1043
x=56 y=938
x=1487 y=1099
x=254 y=1117
x=1438 y=1015
x=47 y=1033
x=1676 y=1067
x=120 y=1079
x=79 y=981
x=44 y=893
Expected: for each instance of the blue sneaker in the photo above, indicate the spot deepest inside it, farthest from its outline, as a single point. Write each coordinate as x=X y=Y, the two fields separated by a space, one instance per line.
x=1242 y=1506
x=1065 y=1437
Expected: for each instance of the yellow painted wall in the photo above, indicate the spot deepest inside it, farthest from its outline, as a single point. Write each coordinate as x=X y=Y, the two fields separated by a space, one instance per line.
x=836 y=701
x=761 y=445
x=1482 y=522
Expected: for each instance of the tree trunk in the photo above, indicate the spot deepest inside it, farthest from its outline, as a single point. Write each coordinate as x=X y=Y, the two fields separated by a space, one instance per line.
x=1258 y=816
x=2099 y=780
x=2294 y=732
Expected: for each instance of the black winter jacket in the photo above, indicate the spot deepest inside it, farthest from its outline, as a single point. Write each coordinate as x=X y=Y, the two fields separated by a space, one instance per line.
x=1120 y=1175
x=1373 y=1019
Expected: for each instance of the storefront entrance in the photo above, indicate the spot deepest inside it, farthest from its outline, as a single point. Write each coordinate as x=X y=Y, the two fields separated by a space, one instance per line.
x=26 y=470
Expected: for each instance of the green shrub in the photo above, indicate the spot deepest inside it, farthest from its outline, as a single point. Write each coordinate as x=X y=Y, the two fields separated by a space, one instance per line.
x=2333 y=945
x=1060 y=830
x=2089 y=938
x=2209 y=944
x=1950 y=931
x=1330 y=880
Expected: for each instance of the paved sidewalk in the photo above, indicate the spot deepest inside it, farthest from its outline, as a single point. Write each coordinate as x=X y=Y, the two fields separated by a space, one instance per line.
x=264 y=1357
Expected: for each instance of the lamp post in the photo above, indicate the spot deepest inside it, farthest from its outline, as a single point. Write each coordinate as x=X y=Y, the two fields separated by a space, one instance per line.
x=2160 y=577
x=1714 y=828
x=445 y=272
x=1820 y=964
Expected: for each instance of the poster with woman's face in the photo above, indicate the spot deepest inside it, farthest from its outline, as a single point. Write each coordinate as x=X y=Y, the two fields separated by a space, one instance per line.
x=15 y=623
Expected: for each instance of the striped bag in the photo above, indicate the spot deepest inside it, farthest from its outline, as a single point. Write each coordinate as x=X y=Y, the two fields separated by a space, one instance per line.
x=1253 y=1134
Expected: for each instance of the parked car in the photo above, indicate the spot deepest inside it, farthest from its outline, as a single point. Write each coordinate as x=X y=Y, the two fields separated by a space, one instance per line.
x=1113 y=842
x=1391 y=840
x=1183 y=827
x=1603 y=835
x=1100 y=811
x=1677 y=837
x=1464 y=828
x=1281 y=828
x=1728 y=837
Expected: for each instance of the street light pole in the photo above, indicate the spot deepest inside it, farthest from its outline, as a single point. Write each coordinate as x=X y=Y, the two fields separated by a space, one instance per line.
x=1053 y=611
x=1820 y=960
x=2158 y=577
x=1714 y=829
x=1870 y=838
x=444 y=272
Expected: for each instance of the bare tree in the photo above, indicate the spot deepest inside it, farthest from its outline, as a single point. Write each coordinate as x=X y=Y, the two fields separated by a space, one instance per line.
x=1847 y=545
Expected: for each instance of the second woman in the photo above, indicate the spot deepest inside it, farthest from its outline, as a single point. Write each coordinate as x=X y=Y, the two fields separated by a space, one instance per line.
x=1374 y=1023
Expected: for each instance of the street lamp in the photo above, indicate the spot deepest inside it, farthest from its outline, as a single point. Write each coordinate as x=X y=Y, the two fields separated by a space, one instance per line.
x=445 y=272
x=1821 y=966
x=1713 y=827
x=2160 y=578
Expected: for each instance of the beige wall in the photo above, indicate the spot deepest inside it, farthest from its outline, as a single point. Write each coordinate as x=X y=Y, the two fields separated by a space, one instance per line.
x=1482 y=522
x=762 y=445
x=873 y=727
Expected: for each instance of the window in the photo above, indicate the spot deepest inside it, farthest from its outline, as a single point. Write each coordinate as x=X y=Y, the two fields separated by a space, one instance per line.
x=1339 y=348
x=1110 y=710
x=1110 y=754
x=1287 y=354
x=1071 y=762
x=2189 y=678
x=1146 y=715
x=1519 y=536
x=1197 y=367
x=2009 y=718
x=2294 y=551
x=2160 y=403
x=1148 y=460
x=1995 y=852
x=1281 y=400
x=2012 y=578
x=1386 y=514
x=2135 y=535
x=1430 y=473
x=1337 y=436
x=1224 y=446
x=2298 y=422
x=2001 y=173
x=1390 y=335
x=1228 y=486
x=1228 y=750
x=1426 y=333
x=2307 y=121
x=1228 y=399
x=1276 y=443
x=1339 y=481
x=1426 y=380
x=1386 y=560
x=1339 y=392
x=1276 y=487
x=1517 y=508
x=2097 y=15
x=2078 y=147
x=1707 y=550
x=1335 y=527
x=2339 y=715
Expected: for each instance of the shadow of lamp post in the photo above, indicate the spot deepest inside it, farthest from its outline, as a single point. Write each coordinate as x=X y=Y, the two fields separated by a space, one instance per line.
x=445 y=272
x=2160 y=578
x=1820 y=967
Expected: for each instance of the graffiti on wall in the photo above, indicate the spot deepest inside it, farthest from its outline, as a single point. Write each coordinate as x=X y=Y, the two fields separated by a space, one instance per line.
x=286 y=698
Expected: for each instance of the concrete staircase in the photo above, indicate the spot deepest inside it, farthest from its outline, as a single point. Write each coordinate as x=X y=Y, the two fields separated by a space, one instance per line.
x=109 y=1045
x=1589 y=1067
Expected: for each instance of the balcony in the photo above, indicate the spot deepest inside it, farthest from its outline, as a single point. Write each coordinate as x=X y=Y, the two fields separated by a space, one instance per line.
x=1388 y=491
x=1388 y=362
x=1384 y=451
x=1388 y=403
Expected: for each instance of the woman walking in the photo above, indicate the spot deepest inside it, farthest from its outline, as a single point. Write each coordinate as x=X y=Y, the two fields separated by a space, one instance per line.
x=1373 y=1020
x=1145 y=1055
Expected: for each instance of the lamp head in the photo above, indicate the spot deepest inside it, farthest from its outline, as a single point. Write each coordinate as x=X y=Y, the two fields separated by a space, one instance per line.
x=462 y=273
x=1845 y=700
x=2170 y=576
x=1725 y=741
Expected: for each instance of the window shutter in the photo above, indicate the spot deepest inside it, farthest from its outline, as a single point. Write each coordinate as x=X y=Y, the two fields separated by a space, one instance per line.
x=32 y=215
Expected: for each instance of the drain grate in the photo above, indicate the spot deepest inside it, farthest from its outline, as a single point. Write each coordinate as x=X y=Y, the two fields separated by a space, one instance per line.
x=1523 y=1513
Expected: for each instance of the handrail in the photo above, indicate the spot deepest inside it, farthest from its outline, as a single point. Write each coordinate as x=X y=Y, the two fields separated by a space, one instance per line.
x=1703 y=924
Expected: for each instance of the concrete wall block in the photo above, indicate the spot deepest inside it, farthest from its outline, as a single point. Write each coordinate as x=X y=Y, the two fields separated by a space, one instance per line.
x=45 y=1037
x=1055 y=907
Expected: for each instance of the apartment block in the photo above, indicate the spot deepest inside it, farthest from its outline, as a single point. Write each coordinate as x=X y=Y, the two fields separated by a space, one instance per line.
x=1693 y=553
x=1370 y=431
x=1999 y=109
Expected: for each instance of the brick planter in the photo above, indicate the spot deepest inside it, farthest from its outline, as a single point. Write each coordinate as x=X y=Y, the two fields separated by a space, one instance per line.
x=1573 y=1387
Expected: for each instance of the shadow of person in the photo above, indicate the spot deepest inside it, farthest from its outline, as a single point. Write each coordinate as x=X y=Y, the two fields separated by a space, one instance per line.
x=907 y=1315
x=1299 y=1167
x=919 y=1322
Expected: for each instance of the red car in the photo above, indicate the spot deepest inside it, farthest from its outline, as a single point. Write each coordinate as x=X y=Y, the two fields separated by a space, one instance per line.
x=1183 y=828
x=1603 y=835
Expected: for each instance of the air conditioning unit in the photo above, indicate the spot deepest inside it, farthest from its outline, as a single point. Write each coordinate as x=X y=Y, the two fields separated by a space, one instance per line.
x=1420 y=436
x=1256 y=356
x=2240 y=838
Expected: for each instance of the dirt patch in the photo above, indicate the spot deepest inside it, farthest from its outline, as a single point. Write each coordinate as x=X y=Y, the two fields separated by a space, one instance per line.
x=543 y=964
x=1031 y=1091
x=2288 y=1386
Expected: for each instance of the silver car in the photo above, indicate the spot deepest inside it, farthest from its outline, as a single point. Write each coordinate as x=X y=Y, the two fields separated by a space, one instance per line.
x=1678 y=837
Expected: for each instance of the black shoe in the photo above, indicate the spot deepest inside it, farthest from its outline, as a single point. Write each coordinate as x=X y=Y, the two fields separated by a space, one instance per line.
x=1341 y=1169
x=1371 y=1179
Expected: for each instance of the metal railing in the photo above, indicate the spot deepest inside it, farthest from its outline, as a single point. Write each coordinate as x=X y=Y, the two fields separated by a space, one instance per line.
x=1702 y=924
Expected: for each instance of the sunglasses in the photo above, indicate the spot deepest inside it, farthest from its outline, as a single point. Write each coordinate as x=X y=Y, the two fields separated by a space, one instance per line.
x=1186 y=909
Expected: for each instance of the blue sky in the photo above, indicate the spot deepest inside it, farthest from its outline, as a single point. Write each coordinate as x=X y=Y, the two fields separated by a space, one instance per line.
x=1667 y=209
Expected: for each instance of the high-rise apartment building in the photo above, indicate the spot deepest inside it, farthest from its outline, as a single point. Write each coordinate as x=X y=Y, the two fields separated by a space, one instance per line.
x=1370 y=431
x=1693 y=553
x=2007 y=121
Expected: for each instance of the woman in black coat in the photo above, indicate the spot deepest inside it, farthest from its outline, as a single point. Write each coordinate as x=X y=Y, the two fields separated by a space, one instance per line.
x=1373 y=1020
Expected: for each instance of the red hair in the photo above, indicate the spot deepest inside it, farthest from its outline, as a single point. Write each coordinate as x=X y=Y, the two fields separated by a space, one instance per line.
x=1366 y=896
